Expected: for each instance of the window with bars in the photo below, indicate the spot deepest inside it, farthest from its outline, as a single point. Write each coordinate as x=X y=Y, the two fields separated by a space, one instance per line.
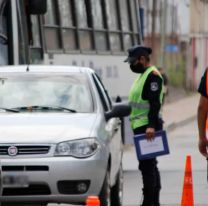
x=68 y=25
x=91 y=25
x=112 y=9
x=84 y=24
x=52 y=29
x=36 y=50
x=100 y=25
x=126 y=23
x=4 y=33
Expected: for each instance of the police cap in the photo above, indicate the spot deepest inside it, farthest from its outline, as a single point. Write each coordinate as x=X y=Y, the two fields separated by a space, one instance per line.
x=137 y=51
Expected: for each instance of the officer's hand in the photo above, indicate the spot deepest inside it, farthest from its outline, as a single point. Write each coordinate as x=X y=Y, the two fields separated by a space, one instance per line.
x=203 y=144
x=150 y=133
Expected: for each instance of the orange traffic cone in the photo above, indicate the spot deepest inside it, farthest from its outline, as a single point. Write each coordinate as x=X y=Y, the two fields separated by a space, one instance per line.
x=92 y=201
x=187 y=195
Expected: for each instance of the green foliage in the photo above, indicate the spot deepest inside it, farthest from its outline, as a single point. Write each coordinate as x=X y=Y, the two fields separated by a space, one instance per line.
x=176 y=76
x=175 y=69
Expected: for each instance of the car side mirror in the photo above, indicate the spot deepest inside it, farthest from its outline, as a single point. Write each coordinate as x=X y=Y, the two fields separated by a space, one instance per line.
x=37 y=7
x=118 y=110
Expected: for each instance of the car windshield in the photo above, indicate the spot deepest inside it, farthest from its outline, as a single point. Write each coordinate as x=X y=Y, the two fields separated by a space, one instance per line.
x=39 y=92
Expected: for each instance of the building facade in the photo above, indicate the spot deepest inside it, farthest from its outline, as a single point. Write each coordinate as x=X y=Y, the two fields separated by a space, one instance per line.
x=198 y=49
x=162 y=32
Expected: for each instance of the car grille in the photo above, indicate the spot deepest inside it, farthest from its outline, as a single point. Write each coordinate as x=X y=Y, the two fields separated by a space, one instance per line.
x=24 y=168
x=26 y=150
x=33 y=189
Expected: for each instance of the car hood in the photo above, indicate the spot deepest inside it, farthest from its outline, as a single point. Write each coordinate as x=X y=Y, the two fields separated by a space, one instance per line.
x=44 y=128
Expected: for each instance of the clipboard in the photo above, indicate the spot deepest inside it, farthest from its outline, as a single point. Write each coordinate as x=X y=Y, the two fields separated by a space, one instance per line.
x=151 y=149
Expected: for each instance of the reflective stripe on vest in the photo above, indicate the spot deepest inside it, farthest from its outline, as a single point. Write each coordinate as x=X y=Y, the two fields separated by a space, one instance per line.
x=142 y=116
x=141 y=107
x=138 y=117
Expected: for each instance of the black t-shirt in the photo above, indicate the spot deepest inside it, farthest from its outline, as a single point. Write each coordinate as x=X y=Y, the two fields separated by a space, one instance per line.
x=151 y=92
x=202 y=86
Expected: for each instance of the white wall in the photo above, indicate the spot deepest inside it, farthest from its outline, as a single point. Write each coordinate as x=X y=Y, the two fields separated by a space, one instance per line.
x=115 y=74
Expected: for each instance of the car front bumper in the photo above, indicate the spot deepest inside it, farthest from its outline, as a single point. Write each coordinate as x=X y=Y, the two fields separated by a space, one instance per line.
x=54 y=179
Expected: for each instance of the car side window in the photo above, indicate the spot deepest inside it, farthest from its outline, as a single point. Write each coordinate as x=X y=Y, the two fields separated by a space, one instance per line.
x=105 y=99
x=105 y=91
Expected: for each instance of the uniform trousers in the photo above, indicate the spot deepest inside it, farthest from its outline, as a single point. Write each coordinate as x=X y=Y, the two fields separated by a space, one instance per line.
x=150 y=176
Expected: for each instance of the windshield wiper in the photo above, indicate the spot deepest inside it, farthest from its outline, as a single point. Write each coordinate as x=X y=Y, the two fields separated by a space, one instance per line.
x=61 y=108
x=8 y=110
x=28 y=108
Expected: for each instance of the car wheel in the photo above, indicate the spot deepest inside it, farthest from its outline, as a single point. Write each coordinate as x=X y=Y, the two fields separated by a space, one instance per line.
x=105 y=198
x=117 y=190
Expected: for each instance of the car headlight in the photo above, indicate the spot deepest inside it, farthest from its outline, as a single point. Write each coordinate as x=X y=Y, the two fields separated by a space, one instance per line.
x=77 y=148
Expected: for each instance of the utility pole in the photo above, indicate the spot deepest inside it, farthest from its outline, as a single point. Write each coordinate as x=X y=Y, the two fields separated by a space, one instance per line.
x=154 y=13
x=163 y=31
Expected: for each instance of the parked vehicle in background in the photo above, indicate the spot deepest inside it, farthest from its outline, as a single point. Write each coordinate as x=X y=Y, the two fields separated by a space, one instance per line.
x=60 y=137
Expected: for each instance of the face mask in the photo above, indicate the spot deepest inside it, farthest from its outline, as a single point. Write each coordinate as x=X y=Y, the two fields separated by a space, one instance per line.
x=138 y=68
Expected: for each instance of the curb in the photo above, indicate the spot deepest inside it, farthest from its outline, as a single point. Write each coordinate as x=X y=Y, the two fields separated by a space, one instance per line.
x=172 y=126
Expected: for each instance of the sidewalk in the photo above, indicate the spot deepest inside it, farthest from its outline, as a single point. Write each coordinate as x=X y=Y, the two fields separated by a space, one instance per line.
x=176 y=113
x=180 y=112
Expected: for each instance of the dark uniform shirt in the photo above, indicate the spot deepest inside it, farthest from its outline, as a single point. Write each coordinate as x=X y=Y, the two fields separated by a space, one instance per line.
x=202 y=86
x=151 y=92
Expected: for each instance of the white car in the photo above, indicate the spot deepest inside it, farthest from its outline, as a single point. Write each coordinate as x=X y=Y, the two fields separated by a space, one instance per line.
x=60 y=138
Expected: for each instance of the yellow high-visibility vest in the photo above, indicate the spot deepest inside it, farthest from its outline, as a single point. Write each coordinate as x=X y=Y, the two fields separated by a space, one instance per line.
x=141 y=107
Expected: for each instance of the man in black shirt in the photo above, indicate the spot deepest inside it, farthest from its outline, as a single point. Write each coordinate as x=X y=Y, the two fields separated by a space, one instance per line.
x=202 y=114
x=202 y=86
x=146 y=91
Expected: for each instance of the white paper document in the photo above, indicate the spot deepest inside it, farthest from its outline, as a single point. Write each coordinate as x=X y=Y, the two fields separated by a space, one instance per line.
x=151 y=149
x=154 y=146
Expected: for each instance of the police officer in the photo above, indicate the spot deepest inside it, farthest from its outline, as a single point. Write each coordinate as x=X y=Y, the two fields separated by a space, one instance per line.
x=145 y=98
x=202 y=114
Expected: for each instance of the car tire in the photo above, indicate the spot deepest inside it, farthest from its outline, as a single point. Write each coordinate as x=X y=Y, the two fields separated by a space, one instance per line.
x=105 y=194
x=117 y=190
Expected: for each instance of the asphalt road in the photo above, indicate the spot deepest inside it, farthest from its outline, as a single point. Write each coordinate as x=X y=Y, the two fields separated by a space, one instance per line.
x=183 y=141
